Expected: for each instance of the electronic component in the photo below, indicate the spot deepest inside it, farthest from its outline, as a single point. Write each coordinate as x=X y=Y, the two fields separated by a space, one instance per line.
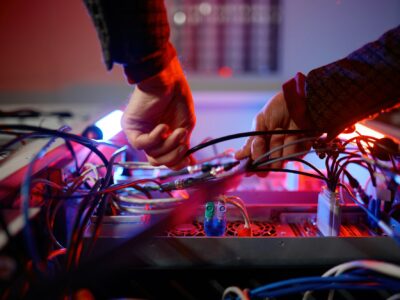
x=215 y=218
x=93 y=208
x=328 y=213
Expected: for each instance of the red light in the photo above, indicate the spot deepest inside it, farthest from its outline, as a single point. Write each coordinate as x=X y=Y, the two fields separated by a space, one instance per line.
x=363 y=130
x=225 y=72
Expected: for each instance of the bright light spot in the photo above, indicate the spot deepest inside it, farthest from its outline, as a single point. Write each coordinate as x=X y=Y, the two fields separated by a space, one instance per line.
x=110 y=125
x=205 y=8
x=225 y=71
x=363 y=130
x=179 y=18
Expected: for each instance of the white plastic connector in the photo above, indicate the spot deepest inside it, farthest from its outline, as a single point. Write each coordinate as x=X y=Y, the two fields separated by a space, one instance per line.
x=328 y=213
x=382 y=192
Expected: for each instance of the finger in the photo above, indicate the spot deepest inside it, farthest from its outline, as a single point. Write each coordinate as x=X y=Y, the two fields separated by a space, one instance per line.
x=245 y=151
x=292 y=149
x=258 y=147
x=170 y=159
x=176 y=138
x=182 y=164
x=259 y=143
x=192 y=160
x=275 y=142
x=143 y=141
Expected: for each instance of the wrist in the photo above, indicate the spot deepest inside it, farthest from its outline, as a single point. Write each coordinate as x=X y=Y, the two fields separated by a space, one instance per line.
x=295 y=98
x=150 y=65
x=163 y=82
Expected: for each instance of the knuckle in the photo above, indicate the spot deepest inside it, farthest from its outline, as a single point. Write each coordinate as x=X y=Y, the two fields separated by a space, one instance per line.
x=258 y=142
x=152 y=161
x=259 y=119
x=134 y=143
x=124 y=121
x=248 y=142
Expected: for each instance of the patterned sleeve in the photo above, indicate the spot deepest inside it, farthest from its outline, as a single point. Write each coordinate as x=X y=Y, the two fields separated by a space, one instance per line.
x=134 y=33
x=358 y=86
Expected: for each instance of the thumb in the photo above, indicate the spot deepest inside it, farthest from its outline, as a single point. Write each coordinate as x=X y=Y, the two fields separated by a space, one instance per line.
x=245 y=151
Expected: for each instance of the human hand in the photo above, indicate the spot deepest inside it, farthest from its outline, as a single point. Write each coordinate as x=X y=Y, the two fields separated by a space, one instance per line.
x=159 y=117
x=273 y=116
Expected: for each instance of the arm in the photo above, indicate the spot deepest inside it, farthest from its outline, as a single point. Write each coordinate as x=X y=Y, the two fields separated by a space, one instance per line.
x=134 y=34
x=337 y=95
x=334 y=96
x=159 y=117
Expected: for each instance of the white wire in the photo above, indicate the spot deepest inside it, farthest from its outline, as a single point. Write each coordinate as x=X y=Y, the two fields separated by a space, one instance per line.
x=381 y=224
x=91 y=168
x=285 y=158
x=235 y=290
x=47 y=182
x=90 y=178
x=236 y=201
x=282 y=147
x=227 y=153
x=139 y=165
x=144 y=211
x=380 y=267
x=394 y=297
x=374 y=265
x=135 y=200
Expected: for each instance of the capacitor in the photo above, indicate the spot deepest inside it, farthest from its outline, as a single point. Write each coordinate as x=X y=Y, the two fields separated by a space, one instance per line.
x=215 y=218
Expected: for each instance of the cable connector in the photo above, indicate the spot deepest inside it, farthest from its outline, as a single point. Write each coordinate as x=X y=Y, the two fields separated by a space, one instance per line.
x=215 y=218
x=328 y=214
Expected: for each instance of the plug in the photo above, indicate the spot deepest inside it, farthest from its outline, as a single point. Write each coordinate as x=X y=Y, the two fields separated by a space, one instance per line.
x=328 y=213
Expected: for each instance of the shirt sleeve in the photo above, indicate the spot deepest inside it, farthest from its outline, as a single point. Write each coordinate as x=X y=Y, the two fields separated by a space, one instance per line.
x=133 y=33
x=360 y=85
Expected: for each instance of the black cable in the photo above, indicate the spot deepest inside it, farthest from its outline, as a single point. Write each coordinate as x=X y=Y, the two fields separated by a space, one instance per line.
x=84 y=161
x=101 y=212
x=309 y=165
x=25 y=199
x=205 y=167
x=349 y=155
x=3 y=224
x=350 y=161
x=30 y=113
x=74 y=241
x=73 y=154
x=91 y=144
x=108 y=175
x=97 y=201
x=366 y=138
x=20 y=137
x=254 y=167
x=246 y=134
x=288 y=171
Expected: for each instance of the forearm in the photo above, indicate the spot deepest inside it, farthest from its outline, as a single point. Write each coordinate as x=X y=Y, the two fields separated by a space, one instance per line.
x=134 y=34
x=339 y=94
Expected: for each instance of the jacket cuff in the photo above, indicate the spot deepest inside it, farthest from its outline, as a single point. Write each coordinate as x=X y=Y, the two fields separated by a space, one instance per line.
x=294 y=92
x=150 y=65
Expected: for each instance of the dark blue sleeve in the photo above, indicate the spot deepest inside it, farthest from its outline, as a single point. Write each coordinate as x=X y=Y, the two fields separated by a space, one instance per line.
x=134 y=33
x=356 y=87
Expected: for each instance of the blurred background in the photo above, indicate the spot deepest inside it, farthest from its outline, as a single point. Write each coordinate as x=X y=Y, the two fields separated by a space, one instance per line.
x=236 y=53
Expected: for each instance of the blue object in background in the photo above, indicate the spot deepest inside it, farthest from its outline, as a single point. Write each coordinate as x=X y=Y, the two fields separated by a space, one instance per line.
x=374 y=206
x=215 y=219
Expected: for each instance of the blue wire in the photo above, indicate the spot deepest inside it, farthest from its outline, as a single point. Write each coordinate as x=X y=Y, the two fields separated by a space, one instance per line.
x=25 y=198
x=370 y=214
x=311 y=283
x=332 y=286
x=300 y=280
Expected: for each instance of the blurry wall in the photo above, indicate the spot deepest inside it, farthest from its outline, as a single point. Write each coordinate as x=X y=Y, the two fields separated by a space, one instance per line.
x=316 y=32
x=48 y=45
